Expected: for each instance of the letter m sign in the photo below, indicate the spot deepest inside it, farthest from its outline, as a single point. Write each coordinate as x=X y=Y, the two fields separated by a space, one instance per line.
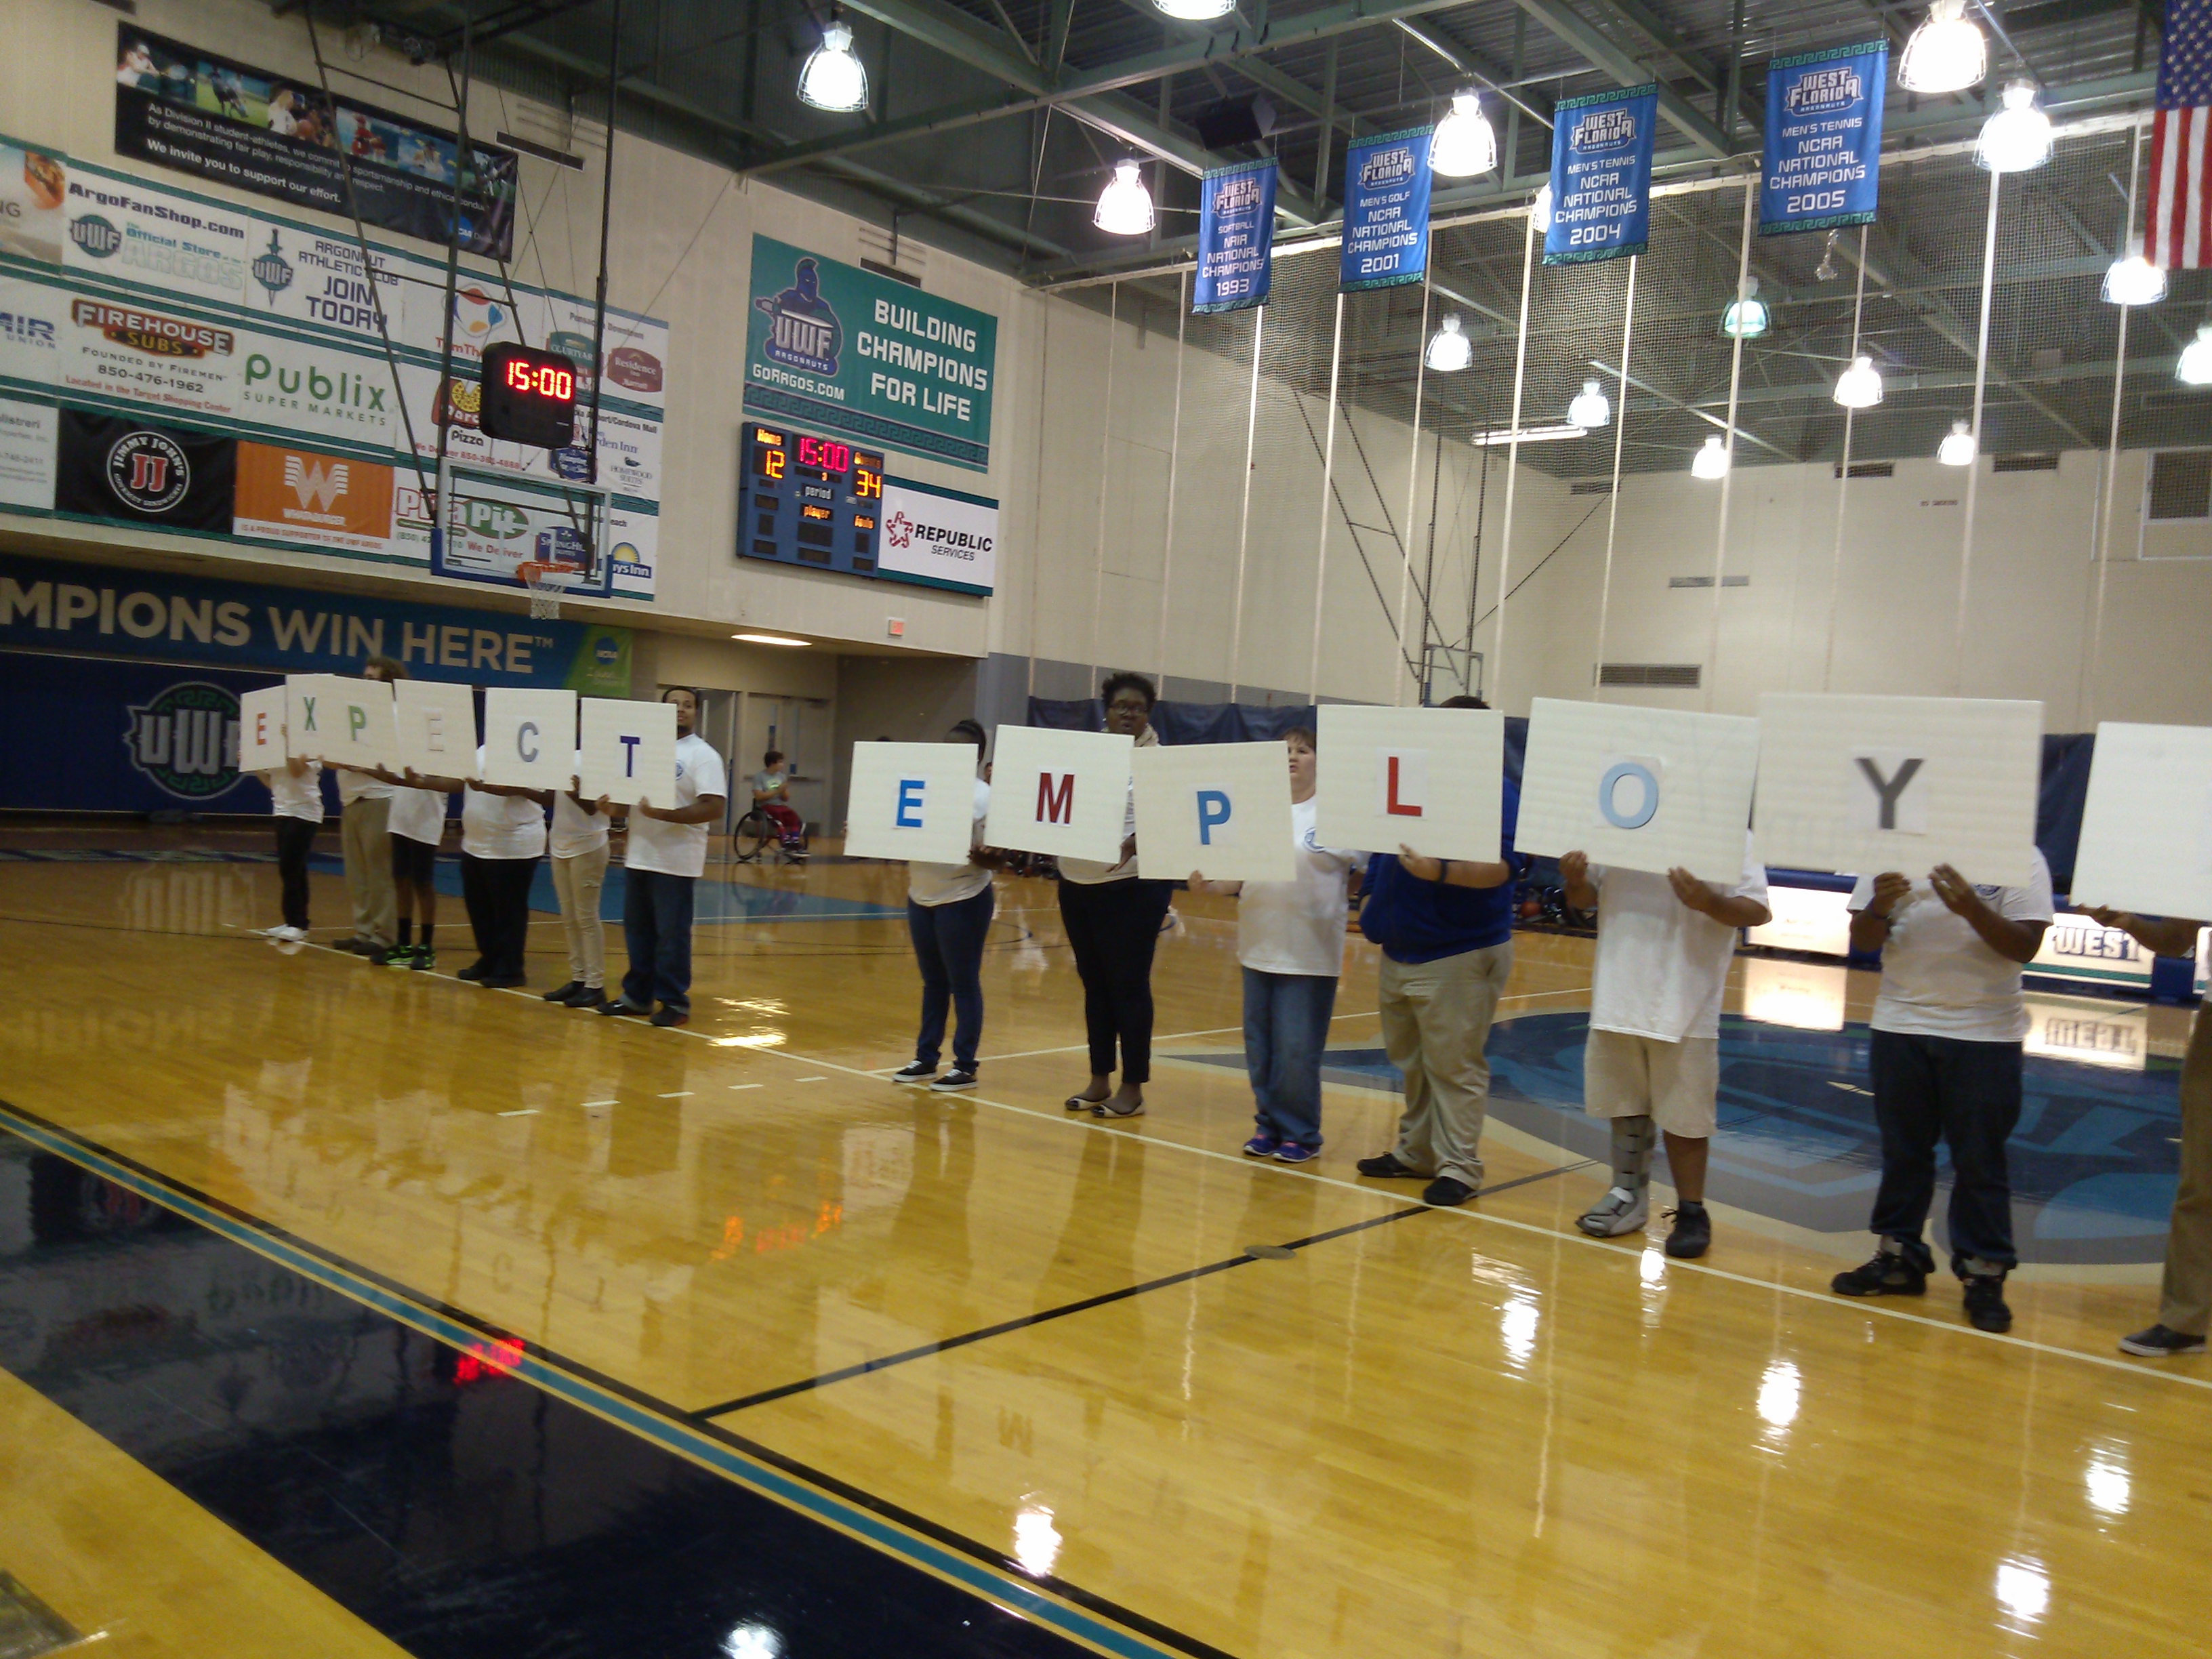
x=1056 y=804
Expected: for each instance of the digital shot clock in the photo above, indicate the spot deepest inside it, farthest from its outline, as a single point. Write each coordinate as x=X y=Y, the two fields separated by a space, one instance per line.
x=529 y=396
x=812 y=501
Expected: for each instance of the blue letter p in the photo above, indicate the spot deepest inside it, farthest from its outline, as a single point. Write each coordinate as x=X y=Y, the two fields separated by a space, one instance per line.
x=1212 y=811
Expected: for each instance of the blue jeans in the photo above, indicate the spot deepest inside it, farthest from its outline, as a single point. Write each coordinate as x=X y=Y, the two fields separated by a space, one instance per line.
x=948 y=947
x=1286 y=1028
x=1966 y=1095
x=657 y=932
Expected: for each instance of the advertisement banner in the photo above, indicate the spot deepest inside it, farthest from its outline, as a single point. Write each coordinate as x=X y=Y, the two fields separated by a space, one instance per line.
x=32 y=183
x=181 y=107
x=56 y=606
x=1601 y=176
x=29 y=434
x=939 y=537
x=1236 y=238
x=831 y=346
x=87 y=736
x=493 y=526
x=318 y=501
x=140 y=473
x=1822 y=166
x=1386 y=210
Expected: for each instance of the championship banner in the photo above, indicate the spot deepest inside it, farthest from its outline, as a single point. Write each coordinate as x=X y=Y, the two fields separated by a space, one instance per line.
x=1386 y=211
x=181 y=107
x=1236 y=238
x=1822 y=167
x=1601 y=176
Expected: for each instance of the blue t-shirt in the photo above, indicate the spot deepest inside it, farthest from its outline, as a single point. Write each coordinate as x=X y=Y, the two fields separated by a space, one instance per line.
x=1415 y=920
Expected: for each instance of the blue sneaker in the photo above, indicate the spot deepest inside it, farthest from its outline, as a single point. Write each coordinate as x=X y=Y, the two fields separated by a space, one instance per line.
x=1262 y=1145
x=1291 y=1152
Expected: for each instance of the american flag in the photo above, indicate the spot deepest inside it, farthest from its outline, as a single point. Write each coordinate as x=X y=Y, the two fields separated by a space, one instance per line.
x=2179 y=235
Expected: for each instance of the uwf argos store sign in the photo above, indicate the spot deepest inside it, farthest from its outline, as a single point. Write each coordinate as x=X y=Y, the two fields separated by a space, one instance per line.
x=121 y=686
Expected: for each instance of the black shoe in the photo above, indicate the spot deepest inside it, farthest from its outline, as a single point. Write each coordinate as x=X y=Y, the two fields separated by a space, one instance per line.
x=913 y=1072
x=957 y=1078
x=669 y=1016
x=1387 y=1168
x=474 y=971
x=624 y=1006
x=1985 y=1302
x=2161 y=1342
x=565 y=992
x=1888 y=1274
x=1693 y=1235
x=504 y=982
x=1446 y=1192
x=586 y=996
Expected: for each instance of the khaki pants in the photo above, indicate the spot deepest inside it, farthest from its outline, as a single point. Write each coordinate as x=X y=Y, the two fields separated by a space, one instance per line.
x=365 y=837
x=1436 y=1017
x=2186 y=1302
x=576 y=884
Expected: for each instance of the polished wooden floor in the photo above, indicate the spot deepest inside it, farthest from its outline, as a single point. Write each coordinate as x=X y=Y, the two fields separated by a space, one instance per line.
x=1455 y=1432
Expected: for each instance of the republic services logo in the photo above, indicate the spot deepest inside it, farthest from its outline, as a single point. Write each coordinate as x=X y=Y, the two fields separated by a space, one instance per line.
x=803 y=330
x=316 y=486
x=185 y=740
x=899 y=533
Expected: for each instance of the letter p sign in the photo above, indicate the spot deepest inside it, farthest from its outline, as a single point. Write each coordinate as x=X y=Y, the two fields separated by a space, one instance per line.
x=1214 y=810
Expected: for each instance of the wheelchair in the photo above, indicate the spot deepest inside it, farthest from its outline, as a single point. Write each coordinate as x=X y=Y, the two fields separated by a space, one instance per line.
x=756 y=837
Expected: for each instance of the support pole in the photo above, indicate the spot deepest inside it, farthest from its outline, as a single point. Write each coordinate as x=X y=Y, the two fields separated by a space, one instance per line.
x=1728 y=478
x=1494 y=676
x=1328 y=479
x=1244 y=516
x=1612 y=510
x=1974 y=468
x=1844 y=480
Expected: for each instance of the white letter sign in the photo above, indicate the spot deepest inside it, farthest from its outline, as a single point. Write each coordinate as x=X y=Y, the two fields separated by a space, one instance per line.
x=912 y=800
x=628 y=751
x=261 y=729
x=437 y=722
x=1638 y=789
x=1062 y=793
x=1222 y=809
x=530 y=738
x=311 y=720
x=1430 y=778
x=2146 y=826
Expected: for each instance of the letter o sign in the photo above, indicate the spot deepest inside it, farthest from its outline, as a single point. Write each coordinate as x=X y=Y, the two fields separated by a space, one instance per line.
x=1608 y=793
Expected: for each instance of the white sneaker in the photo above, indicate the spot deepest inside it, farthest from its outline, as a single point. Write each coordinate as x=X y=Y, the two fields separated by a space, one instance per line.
x=290 y=935
x=1618 y=1213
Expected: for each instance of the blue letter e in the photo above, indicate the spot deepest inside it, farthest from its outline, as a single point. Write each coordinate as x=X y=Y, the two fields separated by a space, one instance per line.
x=909 y=804
x=1213 y=810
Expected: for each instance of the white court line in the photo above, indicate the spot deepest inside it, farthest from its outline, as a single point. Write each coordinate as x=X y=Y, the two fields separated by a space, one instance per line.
x=744 y=1086
x=588 y=1102
x=527 y=1111
x=679 y=1094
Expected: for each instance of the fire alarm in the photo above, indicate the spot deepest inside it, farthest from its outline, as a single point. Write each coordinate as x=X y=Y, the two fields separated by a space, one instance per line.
x=895 y=626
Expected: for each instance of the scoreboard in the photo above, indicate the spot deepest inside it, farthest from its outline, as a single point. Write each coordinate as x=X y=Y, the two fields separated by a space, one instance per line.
x=807 y=500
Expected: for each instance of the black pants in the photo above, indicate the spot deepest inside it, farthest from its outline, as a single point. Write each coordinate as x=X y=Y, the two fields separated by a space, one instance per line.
x=1967 y=1095
x=294 y=838
x=497 y=894
x=1113 y=927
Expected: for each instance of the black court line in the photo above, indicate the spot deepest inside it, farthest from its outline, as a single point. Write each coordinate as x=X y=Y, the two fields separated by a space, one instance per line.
x=1007 y=1326
x=1542 y=1174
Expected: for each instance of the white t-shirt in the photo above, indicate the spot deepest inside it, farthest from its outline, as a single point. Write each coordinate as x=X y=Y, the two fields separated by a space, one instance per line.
x=932 y=885
x=679 y=849
x=501 y=826
x=1660 y=966
x=1296 y=927
x=361 y=786
x=575 y=830
x=1938 y=976
x=418 y=815
x=1088 y=873
x=296 y=797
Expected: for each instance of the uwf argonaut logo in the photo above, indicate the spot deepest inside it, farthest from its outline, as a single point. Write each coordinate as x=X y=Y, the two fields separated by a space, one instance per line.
x=1835 y=87
x=1603 y=130
x=148 y=472
x=1238 y=193
x=803 y=330
x=185 y=740
x=1394 y=166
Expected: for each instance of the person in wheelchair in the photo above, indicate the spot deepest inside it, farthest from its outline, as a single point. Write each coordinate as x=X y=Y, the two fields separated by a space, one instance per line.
x=772 y=799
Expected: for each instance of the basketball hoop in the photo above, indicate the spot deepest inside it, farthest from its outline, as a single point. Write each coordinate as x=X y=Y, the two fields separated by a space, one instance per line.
x=544 y=592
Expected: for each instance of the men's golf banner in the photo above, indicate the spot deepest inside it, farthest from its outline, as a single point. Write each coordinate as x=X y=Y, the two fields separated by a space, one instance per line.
x=836 y=348
x=1386 y=210
x=1601 y=176
x=1236 y=237
x=1822 y=167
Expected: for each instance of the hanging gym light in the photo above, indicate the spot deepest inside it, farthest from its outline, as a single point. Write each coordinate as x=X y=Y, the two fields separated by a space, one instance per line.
x=1946 y=53
x=833 y=78
x=1712 y=461
x=1590 y=410
x=2133 y=280
x=1124 y=206
x=1958 y=446
x=1449 y=350
x=1194 y=11
x=2017 y=138
x=1541 y=209
x=2195 y=367
x=1744 y=319
x=1859 y=387
x=1463 y=144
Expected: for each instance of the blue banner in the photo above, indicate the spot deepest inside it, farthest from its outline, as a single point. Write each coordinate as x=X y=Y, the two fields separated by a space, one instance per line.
x=1822 y=167
x=1236 y=238
x=1601 y=176
x=94 y=611
x=1386 y=210
x=84 y=736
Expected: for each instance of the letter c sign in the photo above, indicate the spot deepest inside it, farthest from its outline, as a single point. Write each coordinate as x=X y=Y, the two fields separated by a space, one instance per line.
x=1609 y=795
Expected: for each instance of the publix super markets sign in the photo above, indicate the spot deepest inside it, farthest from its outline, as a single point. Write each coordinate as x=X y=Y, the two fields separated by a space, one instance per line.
x=842 y=350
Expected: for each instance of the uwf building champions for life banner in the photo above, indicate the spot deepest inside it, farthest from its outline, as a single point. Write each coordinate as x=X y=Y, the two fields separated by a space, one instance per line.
x=1602 y=149
x=1386 y=210
x=1236 y=238
x=843 y=350
x=1822 y=166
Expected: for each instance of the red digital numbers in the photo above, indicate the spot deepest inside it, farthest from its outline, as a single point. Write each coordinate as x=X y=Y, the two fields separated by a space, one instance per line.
x=825 y=454
x=541 y=380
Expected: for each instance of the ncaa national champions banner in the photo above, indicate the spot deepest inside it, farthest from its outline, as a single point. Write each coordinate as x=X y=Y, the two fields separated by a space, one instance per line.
x=1386 y=210
x=1236 y=238
x=1822 y=167
x=1602 y=149
x=938 y=537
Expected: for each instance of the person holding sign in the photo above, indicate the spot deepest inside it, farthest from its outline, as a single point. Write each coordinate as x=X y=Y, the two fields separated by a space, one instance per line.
x=417 y=823
x=2184 y=1306
x=1446 y=930
x=295 y=799
x=1290 y=942
x=364 y=839
x=1948 y=1026
x=666 y=856
x=578 y=847
x=503 y=835
x=1664 y=944
x=948 y=915
x=1112 y=924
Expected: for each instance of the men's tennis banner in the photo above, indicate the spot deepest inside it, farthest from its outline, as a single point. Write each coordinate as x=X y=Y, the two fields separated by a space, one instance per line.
x=1601 y=176
x=1823 y=139
x=1386 y=210
x=832 y=346
x=1236 y=237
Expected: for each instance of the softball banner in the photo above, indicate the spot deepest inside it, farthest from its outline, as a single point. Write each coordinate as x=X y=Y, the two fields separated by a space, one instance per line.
x=1601 y=176
x=1236 y=238
x=1822 y=167
x=1386 y=210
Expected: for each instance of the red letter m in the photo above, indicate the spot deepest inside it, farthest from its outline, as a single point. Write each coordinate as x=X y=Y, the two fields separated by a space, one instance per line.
x=1055 y=807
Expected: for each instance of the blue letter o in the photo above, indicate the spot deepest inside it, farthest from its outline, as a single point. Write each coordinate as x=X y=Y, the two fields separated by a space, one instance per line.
x=1611 y=781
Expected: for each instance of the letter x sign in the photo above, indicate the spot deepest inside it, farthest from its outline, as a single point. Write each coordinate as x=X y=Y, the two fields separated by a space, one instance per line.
x=1062 y=793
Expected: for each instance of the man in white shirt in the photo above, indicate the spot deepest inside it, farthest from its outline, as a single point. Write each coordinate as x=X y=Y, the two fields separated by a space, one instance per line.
x=1945 y=1055
x=666 y=856
x=364 y=840
x=1652 y=1061
x=948 y=916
